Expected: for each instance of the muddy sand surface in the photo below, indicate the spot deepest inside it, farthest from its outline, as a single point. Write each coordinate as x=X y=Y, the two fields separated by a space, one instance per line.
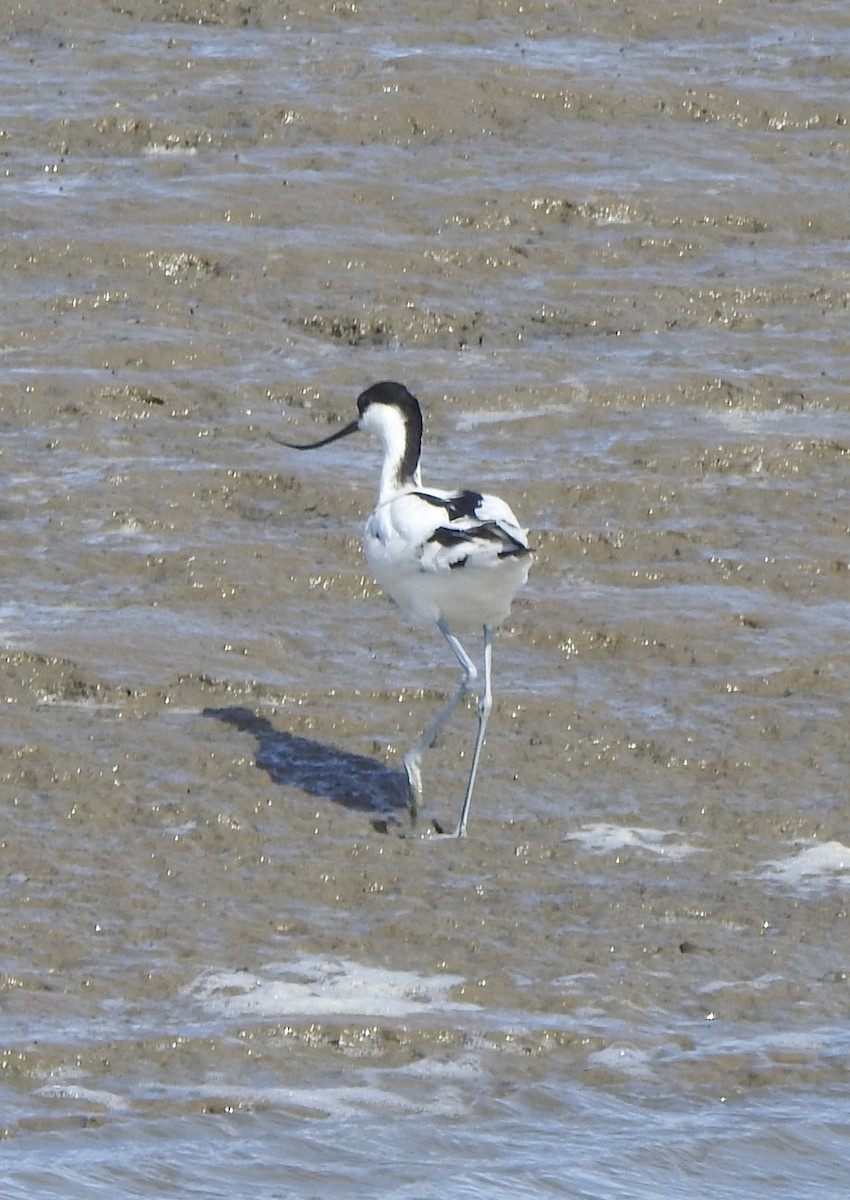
x=608 y=250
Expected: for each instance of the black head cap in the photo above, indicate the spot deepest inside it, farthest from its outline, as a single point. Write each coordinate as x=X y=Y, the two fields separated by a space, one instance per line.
x=395 y=394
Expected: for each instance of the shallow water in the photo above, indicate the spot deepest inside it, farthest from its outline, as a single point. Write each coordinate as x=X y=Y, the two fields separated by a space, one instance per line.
x=609 y=252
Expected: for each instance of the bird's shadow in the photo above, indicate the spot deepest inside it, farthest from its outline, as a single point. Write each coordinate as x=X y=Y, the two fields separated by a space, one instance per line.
x=352 y=780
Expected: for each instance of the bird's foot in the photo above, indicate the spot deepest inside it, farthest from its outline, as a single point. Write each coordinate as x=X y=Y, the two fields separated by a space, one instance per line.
x=437 y=832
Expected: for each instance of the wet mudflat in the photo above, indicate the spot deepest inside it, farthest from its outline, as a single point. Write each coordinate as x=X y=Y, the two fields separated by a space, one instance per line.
x=608 y=251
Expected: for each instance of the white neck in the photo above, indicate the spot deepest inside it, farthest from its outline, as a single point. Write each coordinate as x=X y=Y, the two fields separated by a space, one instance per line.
x=387 y=423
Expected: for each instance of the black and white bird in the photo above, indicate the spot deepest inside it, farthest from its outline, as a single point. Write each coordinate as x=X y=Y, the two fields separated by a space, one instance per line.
x=452 y=558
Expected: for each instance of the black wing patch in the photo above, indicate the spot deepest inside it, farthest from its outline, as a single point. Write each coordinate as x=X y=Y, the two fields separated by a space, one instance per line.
x=487 y=531
x=463 y=504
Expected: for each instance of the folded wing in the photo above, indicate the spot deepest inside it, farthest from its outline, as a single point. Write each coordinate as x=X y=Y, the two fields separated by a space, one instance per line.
x=470 y=529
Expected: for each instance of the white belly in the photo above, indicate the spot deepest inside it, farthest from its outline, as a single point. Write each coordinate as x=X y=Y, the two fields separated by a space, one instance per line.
x=474 y=594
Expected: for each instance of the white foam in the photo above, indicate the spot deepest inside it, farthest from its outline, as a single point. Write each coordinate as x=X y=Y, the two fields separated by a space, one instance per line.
x=819 y=861
x=751 y=420
x=759 y=984
x=624 y=1059
x=170 y=149
x=472 y=420
x=83 y=1095
x=466 y=1067
x=604 y=838
x=345 y=1101
x=324 y=987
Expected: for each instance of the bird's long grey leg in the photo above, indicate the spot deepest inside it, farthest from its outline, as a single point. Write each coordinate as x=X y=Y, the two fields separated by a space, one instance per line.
x=485 y=704
x=413 y=758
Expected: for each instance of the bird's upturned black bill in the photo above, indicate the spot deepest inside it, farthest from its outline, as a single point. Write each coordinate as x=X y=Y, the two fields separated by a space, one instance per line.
x=340 y=433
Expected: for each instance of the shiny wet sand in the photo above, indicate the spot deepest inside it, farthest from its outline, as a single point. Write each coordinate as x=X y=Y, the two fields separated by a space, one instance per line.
x=607 y=250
